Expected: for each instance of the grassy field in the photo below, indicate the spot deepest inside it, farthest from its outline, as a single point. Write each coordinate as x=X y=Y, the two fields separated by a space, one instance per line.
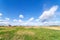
x=22 y=33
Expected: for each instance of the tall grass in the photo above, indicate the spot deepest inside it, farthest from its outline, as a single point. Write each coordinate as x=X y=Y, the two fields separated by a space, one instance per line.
x=21 y=33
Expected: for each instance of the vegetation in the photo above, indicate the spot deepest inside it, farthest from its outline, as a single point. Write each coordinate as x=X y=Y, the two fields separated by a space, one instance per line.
x=22 y=33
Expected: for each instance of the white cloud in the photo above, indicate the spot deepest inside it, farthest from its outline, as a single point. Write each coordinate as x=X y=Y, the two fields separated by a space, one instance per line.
x=15 y=20
x=52 y=23
x=37 y=20
x=20 y=20
x=0 y=14
x=7 y=18
x=21 y=16
x=4 y=22
x=49 y=13
x=31 y=19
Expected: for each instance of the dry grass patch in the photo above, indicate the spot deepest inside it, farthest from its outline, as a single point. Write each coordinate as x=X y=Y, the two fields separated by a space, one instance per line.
x=5 y=29
x=55 y=28
x=20 y=35
x=25 y=32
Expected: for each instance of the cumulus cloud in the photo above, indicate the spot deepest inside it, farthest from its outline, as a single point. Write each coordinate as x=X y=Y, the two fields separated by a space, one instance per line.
x=4 y=22
x=49 y=13
x=52 y=23
x=31 y=19
x=20 y=20
x=21 y=16
x=7 y=18
x=15 y=20
x=37 y=20
x=0 y=14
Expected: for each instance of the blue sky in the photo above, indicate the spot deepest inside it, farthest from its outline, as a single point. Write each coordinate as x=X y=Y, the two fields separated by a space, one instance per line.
x=28 y=11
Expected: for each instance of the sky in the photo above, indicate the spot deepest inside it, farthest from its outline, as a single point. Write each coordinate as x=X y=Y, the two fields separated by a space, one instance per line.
x=30 y=12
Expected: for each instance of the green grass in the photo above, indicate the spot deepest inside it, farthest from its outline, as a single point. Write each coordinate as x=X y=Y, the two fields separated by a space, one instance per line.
x=21 y=33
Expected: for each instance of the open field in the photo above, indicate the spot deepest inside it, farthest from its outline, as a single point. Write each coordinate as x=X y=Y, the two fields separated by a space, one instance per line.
x=29 y=33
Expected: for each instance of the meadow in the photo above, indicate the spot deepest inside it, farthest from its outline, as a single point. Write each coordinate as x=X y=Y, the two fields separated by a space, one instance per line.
x=29 y=33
